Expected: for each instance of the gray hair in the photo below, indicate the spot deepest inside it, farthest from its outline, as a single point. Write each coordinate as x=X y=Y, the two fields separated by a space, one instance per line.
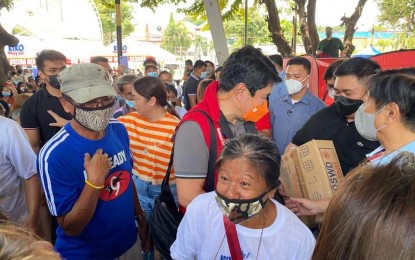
x=126 y=79
x=260 y=152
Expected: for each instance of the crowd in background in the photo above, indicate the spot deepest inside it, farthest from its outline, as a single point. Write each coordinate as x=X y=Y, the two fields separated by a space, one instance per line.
x=87 y=147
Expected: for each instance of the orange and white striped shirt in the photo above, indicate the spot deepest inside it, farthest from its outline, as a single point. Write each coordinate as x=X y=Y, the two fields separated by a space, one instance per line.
x=151 y=145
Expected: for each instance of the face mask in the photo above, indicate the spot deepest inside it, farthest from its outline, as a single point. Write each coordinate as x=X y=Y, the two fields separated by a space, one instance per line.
x=331 y=93
x=203 y=75
x=6 y=93
x=365 y=123
x=13 y=73
x=256 y=113
x=153 y=74
x=94 y=119
x=294 y=86
x=240 y=210
x=120 y=98
x=19 y=71
x=129 y=103
x=28 y=75
x=54 y=82
x=346 y=106
x=329 y=34
x=22 y=89
x=169 y=102
x=208 y=71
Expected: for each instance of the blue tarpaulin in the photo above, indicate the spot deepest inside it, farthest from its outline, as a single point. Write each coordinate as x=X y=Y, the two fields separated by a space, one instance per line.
x=367 y=52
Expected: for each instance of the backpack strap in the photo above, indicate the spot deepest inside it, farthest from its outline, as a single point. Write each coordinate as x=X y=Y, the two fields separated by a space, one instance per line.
x=211 y=174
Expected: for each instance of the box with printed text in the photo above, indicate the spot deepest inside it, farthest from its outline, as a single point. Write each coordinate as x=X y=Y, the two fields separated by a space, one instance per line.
x=311 y=171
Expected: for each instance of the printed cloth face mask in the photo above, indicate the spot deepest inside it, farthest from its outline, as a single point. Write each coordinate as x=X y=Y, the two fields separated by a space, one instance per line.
x=240 y=210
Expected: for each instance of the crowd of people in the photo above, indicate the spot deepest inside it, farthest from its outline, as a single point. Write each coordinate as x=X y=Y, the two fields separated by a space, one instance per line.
x=85 y=152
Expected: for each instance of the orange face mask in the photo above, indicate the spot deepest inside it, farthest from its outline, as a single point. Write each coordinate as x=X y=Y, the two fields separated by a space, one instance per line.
x=256 y=113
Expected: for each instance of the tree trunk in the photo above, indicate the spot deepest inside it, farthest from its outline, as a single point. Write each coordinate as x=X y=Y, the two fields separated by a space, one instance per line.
x=275 y=29
x=312 y=28
x=10 y=40
x=302 y=15
x=350 y=23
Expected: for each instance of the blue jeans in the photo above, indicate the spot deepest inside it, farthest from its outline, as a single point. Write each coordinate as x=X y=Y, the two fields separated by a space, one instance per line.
x=147 y=194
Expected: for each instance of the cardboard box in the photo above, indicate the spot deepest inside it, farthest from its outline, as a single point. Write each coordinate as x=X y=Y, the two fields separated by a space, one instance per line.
x=311 y=171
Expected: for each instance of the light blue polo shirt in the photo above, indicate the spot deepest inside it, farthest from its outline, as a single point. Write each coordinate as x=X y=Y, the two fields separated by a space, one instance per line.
x=382 y=160
x=288 y=117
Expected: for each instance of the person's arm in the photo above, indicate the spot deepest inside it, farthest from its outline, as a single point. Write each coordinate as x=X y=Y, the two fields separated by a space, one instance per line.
x=34 y=139
x=188 y=189
x=75 y=220
x=60 y=121
x=192 y=100
x=143 y=231
x=306 y=207
x=191 y=158
x=32 y=196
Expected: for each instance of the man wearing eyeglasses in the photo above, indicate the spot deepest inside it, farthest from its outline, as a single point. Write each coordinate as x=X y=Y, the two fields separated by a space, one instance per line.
x=290 y=112
x=85 y=170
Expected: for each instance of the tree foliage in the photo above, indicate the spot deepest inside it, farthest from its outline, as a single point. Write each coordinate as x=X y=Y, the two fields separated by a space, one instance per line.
x=176 y=37
x=106 y=10
x=257 y=28
x=5 y=39
x=397 y=13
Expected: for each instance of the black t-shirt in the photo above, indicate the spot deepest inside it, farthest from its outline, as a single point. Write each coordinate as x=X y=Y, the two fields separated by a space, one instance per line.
x=327 y=124
x=34 y=114
x=190 y=88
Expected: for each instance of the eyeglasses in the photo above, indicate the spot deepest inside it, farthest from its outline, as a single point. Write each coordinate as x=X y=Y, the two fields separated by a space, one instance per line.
x=103 y=102
x=55 y=71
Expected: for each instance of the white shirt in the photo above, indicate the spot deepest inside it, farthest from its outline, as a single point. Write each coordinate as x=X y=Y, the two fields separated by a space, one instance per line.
x=201 y=235
x=17 y=162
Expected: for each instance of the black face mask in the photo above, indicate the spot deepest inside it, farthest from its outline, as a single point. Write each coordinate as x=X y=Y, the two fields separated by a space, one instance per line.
x=13 y=73
x=346 y=106
x=19 y=71
x=54 y=82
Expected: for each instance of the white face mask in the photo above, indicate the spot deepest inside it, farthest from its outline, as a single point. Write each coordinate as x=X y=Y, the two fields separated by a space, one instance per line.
x=294 y=86
x=331 y=93
x=365 y=123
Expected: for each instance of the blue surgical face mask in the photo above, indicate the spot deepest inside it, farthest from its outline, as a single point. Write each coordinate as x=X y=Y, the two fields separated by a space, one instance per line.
x=153 y=74
x=6 y=93
x=203 y=75
x=130 y=103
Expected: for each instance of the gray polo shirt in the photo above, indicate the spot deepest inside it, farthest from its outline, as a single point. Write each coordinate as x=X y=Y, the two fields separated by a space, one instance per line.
x=191 y=155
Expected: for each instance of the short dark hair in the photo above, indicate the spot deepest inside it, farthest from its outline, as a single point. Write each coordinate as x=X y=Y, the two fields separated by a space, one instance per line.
x=395 y=86
x=164 y=72
x=45 y=55
x=188 y=62
x=300 y=61
x=249 y=66
x=211 y=63
x=359 y=67
x=96 y=59
x=258 y=151
x=171 y=88
x=199 y=64
x=329 y=74
x=149 y=61
x=277 y=59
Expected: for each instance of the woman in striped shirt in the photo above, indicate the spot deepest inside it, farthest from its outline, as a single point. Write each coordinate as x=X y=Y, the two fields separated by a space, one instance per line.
x=150 y=129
